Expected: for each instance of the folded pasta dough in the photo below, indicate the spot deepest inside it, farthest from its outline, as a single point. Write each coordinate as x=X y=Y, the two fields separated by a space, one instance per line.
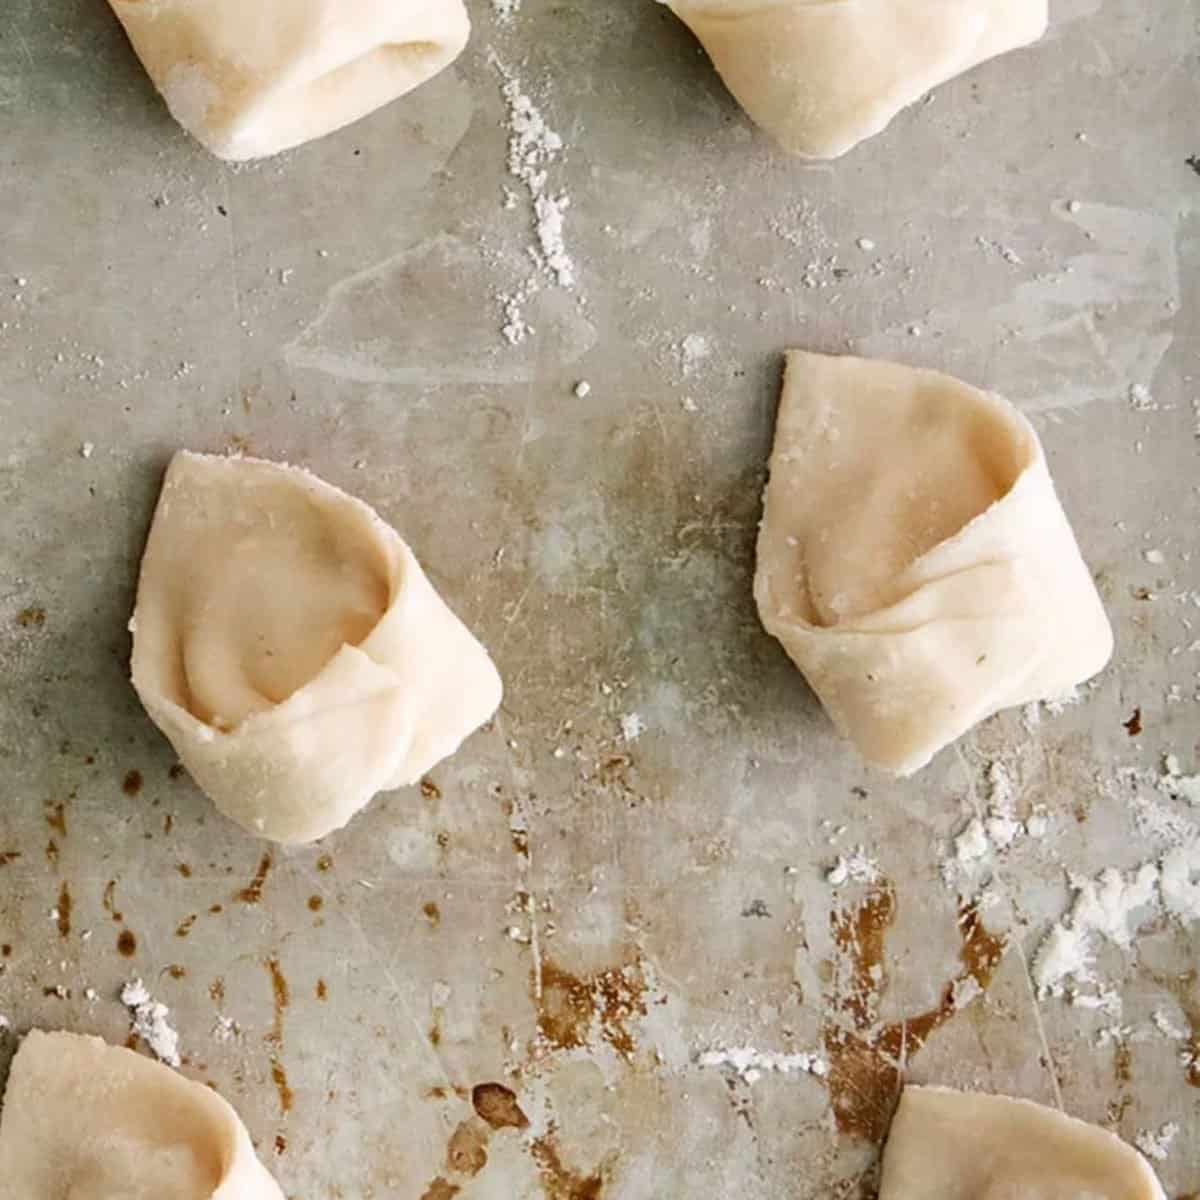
x=914 y=559
x=967 y=1146
x=822 y=75
x=287 y=642
x=249 y=78
x=89 y=1121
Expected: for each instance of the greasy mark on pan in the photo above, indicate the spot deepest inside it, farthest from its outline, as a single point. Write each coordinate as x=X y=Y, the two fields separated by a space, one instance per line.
x=176 y=971
x=322 y=990
x=56 y=818
x=127 y=943
x=280 y=996
x=280 y=1000
x=185 y=926
x=558 y=1181
x=184 y=870
x=132 y=783
x=865 y=1064
x=108 y=900
x=324 y=863
x=572 y=1008
x=9 y=856
x=433 y=914
x=315 y=904
x=31 y=618
x=1134 y=725
x=279 y=1077
x=252 y=892
x=64 y=910
x=441 y=1189
x=430 y=790
x=467 y=1152
x=52 y=852
x=498 y=1106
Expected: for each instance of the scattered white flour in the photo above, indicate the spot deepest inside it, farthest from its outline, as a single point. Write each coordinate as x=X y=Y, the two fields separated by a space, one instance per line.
x=1115 y=905
x=1157 y=1146
x=225 y=1029
x=1166 y=1025
x=1140 y=399
x=1108 y=904
x=972 y=844
x=5 y=1024
x=583 y=389
x=532 y=148
x=87 y=450
x=150 y=1022
x=1178 y=786
x=632 y=726
x=1180 y=882
x=750 y=1065
x=856 y=866
x=693 y=350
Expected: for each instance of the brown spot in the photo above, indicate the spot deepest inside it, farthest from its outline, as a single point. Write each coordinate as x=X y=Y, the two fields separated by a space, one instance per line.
x=467 y=1152
x=433 y=914
x=176 y=971
x=108 y=900
x=216 y=991
x=430 y=790
x=127 y=943
x=324 y=863
x=64 y=910
x=132 y=783
x=216 y=908
x=315 y=903
x=176 y=771
x=570 y=1006
x=31 y=618
x=498 y=1106
x=558 y=1181
x=52 y=852
x=185 y=926
x=281 y=997
x=441 y=1189
x=435 y=1028
x=280 y=1144
x=56 y=818
x=520 y=842
x=6 y=950
x=58 y=992
x=442 y=837
x=286 y=1096
x=252 y=893
x=864 y=1080
x=322 y=990
x=168 y=821
x=184 y=870
x=1134 y=725
x=8 y=856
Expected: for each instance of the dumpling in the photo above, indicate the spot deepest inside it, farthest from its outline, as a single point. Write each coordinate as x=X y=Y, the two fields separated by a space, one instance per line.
x=287 y=642
x=914 y=559
x=87 y=1121
x=947 y=1145
x=822 y=75
x=249 y=78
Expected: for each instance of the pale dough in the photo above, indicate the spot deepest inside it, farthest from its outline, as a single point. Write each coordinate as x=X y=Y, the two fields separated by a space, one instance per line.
x=947 y=1145
x=86 y=1121
x=289 y=645
x=914 y=559
x=249 y=78
x=822 y=75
